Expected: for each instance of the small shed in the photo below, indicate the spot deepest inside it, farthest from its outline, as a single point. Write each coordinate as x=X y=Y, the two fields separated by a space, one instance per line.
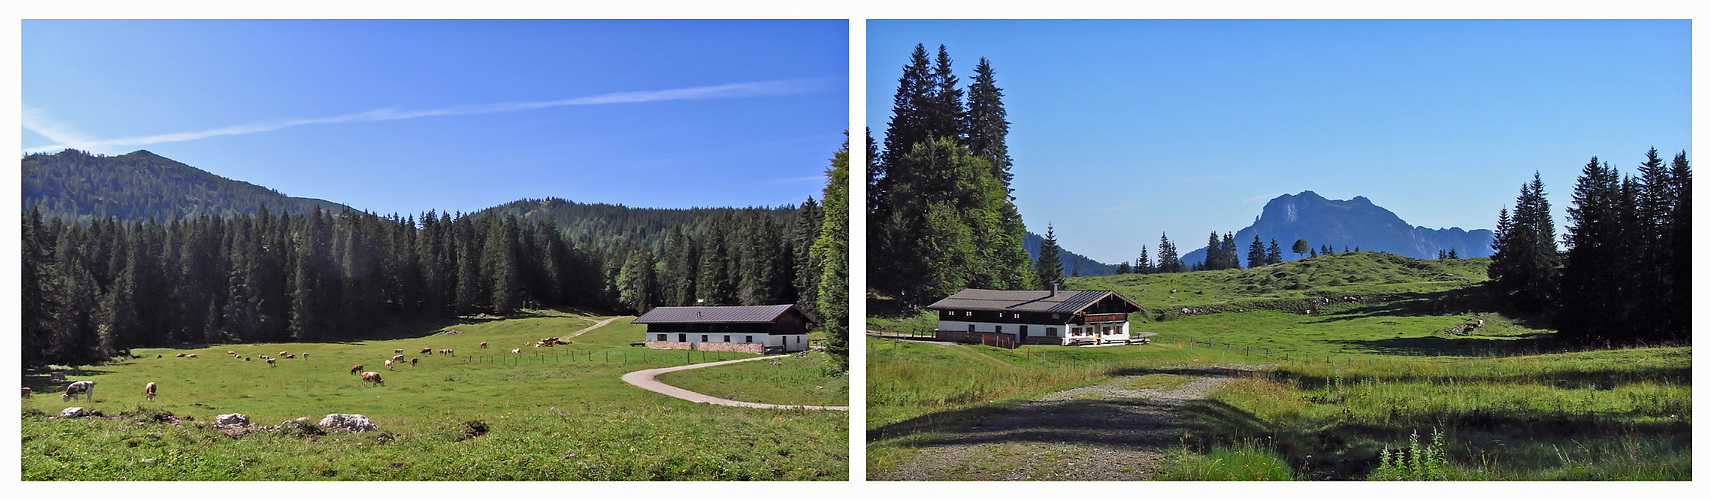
x=756 y=329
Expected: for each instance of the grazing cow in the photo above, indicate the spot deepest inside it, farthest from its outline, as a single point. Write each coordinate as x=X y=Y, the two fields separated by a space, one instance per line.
x=232 y=352
x=157 y=356
x=516 y=351
x=262 y=356
x=397 y=351
x=282 y=354
x=148 y=391
x=426 y=350
x=368 y=377
x=399 y=358
x=388 y=364
x=290 y=356
x=26 y=392
x=179 y=355
x=189 y=355
x=449 y=352
x=83 y=387
x=355 y=369
x=246 y=358
x=58 y=377
x=483 y=345
x=412 y=362
x=270 y=362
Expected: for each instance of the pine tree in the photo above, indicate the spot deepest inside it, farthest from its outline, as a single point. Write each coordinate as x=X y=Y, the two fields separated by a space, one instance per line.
x=1256 y=253
x=831 y=251
x=1143 y=263
x=1167 y=259
x=1273 y=253
x=1123 y=268
x=1227 y=250
x=1049 y=267
x=1524 y=267
x=1593 y=267
x=987 y=127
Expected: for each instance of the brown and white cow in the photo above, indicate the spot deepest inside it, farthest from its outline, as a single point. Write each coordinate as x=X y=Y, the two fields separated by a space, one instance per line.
x=83 y=387
x=397 y=351
x=355 y=369
x=398 y=358
x=271 y=360
x=426 y=350
x=388 y=364
x=148 y=391
x=26 y=392
x=483 y=345
x=412 y=362
x=368 y=377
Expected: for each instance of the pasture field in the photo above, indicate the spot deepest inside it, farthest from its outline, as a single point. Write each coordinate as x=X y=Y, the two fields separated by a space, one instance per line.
x=480 y=414
x=809 y=378
x=1355 y=379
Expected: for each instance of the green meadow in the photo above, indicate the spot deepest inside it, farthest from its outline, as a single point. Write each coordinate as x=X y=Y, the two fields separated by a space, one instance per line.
x=556 y=413
x=1373 y=357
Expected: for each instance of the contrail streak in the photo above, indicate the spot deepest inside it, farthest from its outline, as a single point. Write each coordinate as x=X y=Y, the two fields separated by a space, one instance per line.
x=37 y=120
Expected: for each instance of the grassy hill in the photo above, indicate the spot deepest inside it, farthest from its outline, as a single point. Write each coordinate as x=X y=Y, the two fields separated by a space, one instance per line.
x=482 y=414
x=1370 y=349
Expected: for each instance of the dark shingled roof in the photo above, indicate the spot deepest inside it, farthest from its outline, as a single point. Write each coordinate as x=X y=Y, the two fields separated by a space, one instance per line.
x=1065 y=301
x=716 y=314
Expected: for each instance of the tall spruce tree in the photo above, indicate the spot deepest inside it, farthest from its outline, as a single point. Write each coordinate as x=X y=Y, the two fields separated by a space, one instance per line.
x=986 y=122
x=1049 y=267
x=1143 y=263
x=1256 y=253
x=1524 y=267
x=1273 y=253
x=831 y=251
x=1168 y=262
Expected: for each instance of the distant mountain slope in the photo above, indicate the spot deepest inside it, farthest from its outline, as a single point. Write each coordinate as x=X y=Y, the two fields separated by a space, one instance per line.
x=75 y=185
x=1089 y=267
x=1347 y=223
x=605 y=223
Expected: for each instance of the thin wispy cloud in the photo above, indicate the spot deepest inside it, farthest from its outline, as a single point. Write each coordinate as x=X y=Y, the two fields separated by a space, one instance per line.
x=40 y=122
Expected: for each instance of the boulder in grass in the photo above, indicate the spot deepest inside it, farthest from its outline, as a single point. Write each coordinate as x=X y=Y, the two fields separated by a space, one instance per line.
x=232 y=419
x=349 y=422
x=73 y=412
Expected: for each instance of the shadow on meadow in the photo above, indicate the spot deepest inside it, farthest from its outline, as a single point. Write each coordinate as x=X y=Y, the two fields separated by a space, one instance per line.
x=1444 y=346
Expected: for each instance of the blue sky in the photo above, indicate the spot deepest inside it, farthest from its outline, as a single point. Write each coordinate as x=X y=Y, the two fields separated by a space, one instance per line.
x=406 y=116
x=1122 y=130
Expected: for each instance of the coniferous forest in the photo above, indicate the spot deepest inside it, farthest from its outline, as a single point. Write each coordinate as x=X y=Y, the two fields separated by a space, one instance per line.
x=1625 y=275
x=95 y=287
x=940 y=216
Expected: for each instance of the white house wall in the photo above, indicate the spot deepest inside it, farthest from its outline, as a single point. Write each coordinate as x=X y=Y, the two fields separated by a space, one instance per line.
x=1120 y=331
x=790 y=342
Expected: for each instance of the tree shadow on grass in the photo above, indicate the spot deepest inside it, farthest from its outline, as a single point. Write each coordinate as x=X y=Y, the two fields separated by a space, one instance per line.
x=1445 y=346
x=1135 y=423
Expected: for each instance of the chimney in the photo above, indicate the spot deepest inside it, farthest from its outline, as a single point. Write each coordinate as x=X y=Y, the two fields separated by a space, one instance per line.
x=1054 y=289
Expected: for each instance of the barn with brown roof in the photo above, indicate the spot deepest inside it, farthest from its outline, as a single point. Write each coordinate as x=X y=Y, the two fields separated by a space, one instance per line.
x=756 y=329
x=1009 y=318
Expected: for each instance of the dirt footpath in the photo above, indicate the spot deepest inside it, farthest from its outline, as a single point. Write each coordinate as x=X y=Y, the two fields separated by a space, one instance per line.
x=1115 y=431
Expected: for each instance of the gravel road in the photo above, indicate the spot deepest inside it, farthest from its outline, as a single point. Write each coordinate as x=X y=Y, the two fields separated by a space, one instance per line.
x=1114 y=431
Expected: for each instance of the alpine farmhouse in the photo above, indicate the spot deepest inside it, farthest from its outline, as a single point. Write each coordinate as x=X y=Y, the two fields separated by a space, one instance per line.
x=1010 y=318
x=753 y=329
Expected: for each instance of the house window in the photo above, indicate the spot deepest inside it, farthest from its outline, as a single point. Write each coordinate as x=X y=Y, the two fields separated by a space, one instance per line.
x=1023 y=330
x=997 y=328
x=703 y=338
x=748 y=339
x=682 y=337
x=968 y=313
x=661 y=337
x=1016 y=316
x=727 y=338
x=1051 y=332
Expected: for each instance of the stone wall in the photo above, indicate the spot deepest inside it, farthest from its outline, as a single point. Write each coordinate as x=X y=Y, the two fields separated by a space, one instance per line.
x=755 y=348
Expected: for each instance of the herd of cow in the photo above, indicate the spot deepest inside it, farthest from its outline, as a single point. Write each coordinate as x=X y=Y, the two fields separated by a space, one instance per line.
x=86 y=388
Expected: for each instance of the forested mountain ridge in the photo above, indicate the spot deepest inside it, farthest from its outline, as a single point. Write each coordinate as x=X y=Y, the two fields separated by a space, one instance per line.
x=605 y=223
x=1353 y=223
x=75 y=185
